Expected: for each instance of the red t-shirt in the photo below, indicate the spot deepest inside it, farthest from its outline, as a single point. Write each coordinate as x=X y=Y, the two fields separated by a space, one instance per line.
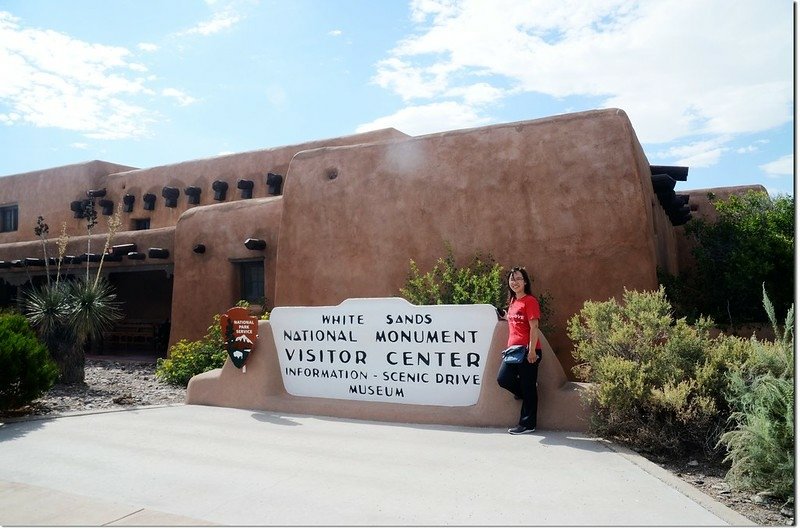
x=520 y=312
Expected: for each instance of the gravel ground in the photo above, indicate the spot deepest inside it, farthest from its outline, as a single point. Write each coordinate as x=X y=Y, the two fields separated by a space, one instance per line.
x=118 y=383
x=110 y=383
x=708 y=476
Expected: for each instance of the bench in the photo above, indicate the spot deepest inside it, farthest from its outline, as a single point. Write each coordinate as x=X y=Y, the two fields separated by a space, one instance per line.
x=131 y=334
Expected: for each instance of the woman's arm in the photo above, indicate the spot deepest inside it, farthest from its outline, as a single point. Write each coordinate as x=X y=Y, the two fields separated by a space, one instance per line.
x=534 y=339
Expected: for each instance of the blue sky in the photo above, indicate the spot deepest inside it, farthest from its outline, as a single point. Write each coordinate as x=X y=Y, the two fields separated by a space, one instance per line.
x=707 y=83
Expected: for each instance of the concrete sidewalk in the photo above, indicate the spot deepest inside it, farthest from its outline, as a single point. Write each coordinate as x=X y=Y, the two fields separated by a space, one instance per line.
x=197 y=465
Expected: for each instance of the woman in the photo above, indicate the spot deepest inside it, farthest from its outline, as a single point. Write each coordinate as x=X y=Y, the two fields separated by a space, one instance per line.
x=523 y=329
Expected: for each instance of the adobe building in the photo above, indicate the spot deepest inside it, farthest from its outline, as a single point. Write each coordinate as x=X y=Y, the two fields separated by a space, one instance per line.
x=572 y=198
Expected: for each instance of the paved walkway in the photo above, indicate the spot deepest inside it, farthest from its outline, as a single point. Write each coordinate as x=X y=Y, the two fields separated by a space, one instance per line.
x=197 y=465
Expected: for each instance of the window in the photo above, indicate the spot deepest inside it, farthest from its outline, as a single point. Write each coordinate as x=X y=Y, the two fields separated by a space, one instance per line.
x=141 y=224
x=8 y=218
x=252 y=281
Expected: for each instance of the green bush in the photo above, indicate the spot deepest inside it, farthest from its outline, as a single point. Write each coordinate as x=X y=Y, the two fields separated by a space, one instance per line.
x=761 y=444
x=751 y=242
x=665 y=386
x=27 y=370
x=186 y=359
x=656 y=380
x=482 y=281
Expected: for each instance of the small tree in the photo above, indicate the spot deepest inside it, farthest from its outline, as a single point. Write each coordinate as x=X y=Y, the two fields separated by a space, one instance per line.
x=751 y=242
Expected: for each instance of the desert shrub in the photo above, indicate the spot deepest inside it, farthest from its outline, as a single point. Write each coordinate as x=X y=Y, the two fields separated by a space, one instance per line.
x=481 y=281
x=657 y=380
x=750 y=243
x=189 y=358
x=186 y=359
x=27 y=369
x=761 y=444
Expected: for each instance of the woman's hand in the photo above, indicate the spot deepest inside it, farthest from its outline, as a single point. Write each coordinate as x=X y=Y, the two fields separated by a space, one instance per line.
x=532 y=358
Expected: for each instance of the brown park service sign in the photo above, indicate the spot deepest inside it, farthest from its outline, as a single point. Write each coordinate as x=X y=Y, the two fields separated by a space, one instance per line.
x=240 y=331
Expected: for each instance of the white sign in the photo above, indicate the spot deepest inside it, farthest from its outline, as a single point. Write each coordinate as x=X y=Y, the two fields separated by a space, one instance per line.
x=385 y=350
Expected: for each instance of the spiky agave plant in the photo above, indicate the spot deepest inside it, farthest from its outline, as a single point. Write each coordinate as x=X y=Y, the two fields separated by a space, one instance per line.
x=66 y=315
x=47 y=310
x=92 y=308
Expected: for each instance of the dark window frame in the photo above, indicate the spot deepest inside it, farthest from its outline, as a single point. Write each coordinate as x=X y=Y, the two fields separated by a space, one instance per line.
x=9 y=218
x=251 y=280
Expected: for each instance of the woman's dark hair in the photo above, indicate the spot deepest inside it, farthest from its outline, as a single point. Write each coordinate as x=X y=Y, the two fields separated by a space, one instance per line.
x=525 y=277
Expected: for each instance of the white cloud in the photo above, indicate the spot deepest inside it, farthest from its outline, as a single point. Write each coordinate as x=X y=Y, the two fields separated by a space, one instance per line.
x=783 y=166
x=79 y=145
x=9 y=119
x=753 y=147
x=182 y=98
x=335 y=33
x=477 y=94
x=697 y=154
x=52 y=80
x=276 y=95
x=220 y=21
x=411 y=82
x=679 y=69
x=148 y=47
x=427 y=119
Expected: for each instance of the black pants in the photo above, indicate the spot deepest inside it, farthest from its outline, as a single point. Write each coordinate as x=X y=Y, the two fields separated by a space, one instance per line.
x=520 y=379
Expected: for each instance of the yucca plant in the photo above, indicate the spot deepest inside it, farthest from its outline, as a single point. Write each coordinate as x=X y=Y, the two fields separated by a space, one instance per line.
x=92 y=307
x=46 y=307
x=68 y=313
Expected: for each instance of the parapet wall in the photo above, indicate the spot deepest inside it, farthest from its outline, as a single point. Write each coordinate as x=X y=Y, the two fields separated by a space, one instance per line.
x=260 y=387
x=48 y=193
x=252 y=166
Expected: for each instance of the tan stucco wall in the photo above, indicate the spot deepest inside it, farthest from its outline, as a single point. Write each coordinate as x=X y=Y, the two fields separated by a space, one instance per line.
x=568 y=197
x=253 y=165
x=49 y=193
x=663 y=233
x=260 y=387
x=207 y=284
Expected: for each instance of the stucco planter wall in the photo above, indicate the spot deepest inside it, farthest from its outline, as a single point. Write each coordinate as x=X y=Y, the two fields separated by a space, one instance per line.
x=260 y=387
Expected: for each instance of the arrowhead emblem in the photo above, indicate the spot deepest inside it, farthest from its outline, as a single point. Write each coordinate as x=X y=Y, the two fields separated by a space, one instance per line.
x=240 y=331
